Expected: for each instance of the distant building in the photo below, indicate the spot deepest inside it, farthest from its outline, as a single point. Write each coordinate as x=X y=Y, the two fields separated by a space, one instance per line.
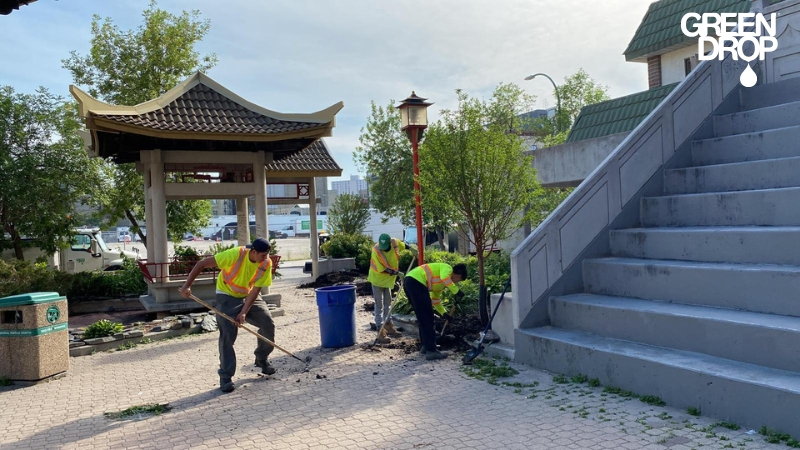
x=355 y=186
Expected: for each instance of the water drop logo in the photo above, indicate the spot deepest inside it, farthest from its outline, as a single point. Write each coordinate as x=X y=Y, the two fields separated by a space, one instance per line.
x=748 y=77
x=714 y=31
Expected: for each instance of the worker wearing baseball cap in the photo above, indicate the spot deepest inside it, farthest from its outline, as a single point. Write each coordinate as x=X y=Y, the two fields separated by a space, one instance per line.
x=383 y=270
x=243 y=272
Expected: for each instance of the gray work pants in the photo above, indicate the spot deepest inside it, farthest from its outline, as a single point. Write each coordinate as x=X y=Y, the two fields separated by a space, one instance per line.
x=258 y=316
x=383 y=301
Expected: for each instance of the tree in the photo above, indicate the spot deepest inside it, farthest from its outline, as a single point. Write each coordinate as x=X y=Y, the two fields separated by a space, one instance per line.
x=349 y=214
x=475 y=172
x=578 y=90
x=128 y=67
x=385 y=155
x=44 y=170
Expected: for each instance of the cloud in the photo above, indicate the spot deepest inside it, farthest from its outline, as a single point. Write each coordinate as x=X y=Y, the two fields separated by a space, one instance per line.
x=304 y=55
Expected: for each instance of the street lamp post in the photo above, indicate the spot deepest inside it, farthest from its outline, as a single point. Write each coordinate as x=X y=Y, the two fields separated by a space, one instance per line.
x=558 y=98
x=414 y=121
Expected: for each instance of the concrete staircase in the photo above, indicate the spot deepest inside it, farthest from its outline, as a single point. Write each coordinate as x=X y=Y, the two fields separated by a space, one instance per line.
x=700 y=305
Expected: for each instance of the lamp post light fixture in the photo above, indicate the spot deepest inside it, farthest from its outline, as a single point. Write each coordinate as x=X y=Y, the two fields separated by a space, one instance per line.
x=558 y=98
x=414 y=120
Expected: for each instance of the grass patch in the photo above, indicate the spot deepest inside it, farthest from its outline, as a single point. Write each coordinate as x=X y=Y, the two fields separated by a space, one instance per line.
x=126 y=346
x=773 y=437
x=652 y=400
x=151 y=408
x=728 y=425
x=619 y=392
x=560 y=379
x=579 y=378
x=594 y=382
x=485 y=369
x=693 y=411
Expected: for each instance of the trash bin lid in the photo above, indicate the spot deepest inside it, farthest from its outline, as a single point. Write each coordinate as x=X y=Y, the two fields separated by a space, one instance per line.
x=32 y=298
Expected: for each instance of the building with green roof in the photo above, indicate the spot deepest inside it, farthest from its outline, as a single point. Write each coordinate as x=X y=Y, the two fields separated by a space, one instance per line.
x=669 y=55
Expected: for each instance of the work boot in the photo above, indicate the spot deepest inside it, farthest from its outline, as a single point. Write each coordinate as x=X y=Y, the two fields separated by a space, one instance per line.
x=432 y=356
x=226 y=385
x=266 y=367
x=391 y=331
x=382 y=338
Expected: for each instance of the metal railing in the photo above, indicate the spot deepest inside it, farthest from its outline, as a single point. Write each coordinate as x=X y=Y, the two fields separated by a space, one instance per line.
x=180 y=267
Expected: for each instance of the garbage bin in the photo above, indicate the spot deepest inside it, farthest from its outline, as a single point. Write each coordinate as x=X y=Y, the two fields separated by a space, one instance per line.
x=34 y=339
x=337 y=315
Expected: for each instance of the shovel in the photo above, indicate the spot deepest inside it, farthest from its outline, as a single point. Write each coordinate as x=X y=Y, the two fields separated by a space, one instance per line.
x=229 y=319
x=389 y=314
x=474 y=352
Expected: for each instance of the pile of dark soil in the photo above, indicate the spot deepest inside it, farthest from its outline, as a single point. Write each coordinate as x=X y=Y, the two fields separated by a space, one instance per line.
x=458 y=332
x=334 y=279
x=364 y=288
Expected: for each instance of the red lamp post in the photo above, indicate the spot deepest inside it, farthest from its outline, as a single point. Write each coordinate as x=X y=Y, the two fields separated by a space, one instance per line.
x=414 y=119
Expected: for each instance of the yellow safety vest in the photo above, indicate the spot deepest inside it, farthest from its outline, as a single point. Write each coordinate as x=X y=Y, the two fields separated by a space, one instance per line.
x=237 y=285
x=436 y=276
x=380 y=261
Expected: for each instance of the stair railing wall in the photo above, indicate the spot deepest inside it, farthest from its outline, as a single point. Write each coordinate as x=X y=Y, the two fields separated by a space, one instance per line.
x=548 y=262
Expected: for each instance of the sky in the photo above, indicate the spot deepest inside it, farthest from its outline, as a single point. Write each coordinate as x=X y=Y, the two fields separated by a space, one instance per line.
x=301 y=56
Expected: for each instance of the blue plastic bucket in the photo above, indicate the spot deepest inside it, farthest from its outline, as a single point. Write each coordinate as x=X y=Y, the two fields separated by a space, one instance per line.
x=337 y=315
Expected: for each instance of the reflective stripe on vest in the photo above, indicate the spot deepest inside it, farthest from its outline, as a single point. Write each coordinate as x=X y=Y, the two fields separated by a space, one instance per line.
x=229 y=276
x=435 y=281
x=383 y=259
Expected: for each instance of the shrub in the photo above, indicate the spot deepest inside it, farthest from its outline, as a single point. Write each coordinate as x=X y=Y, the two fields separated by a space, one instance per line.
x=219 y=248
x=356 y=246
x=102 y=328
x=129 y=279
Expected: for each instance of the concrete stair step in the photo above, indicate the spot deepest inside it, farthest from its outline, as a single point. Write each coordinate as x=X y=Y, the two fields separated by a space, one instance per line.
x=742 y=393
x=764 y=288
x=766 y=95
x=753 y=245
x=772 y=207
x=761 y=119
x=767 y=340
x=741 y=176
x=769 y=144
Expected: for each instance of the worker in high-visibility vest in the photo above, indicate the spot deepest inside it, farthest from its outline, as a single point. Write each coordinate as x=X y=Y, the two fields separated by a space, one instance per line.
x=243 y=272
x=383 y=270
x=423 y=286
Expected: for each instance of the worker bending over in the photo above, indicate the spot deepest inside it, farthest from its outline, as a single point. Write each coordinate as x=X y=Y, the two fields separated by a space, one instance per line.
x=423 y=287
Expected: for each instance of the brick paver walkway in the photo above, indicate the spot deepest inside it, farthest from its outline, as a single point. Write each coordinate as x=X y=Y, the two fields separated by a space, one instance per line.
x=349 y=399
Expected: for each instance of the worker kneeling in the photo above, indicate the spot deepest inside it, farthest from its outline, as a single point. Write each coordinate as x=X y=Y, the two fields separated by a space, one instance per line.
x=243 y=272
x=423 y=287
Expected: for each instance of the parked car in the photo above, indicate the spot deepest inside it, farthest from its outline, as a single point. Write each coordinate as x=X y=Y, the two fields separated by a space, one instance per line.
x=277 y=234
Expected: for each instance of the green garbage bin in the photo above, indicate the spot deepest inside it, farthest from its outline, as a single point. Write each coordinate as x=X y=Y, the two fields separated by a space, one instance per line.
x=34 y=339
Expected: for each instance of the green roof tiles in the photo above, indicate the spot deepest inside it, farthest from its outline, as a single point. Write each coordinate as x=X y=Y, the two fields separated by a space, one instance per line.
x=617 y=115
x=661 y=26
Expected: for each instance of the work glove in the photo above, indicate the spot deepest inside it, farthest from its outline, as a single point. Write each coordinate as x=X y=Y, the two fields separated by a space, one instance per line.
x=391 y=271
x=447 y=317
x=459 y=296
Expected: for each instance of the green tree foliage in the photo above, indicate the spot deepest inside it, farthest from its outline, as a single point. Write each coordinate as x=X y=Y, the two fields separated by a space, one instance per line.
x=476 y=171
x=44 y=170
x=349 y=214
x=578 y=90
x=385 y=154
x=128 y=67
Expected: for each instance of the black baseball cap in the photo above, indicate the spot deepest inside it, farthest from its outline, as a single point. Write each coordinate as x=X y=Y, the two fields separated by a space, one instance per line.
x=260 y=245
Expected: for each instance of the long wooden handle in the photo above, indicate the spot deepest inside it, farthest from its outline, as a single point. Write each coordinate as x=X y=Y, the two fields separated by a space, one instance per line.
x=222 y=314
x=452 y=310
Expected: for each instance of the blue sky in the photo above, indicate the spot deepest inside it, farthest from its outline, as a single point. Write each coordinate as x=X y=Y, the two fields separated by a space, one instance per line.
x=305 y=55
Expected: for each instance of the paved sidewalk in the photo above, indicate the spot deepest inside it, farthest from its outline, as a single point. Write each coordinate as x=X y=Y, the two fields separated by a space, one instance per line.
x=350 y=398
